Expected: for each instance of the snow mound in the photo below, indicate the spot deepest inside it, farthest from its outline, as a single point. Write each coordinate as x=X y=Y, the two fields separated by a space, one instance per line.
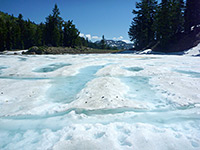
x=147 y=51
x=104 y=93
x=195 y=51
x=14 y=52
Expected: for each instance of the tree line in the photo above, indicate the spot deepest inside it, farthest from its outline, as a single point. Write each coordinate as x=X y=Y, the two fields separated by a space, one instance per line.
x=17 y=33
x=164 y=23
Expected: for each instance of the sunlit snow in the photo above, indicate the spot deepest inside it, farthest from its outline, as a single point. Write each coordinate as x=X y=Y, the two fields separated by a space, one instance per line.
x=99 y=102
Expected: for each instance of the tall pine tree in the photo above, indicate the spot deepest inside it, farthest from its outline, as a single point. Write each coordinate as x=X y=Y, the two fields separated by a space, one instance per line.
x=29 y=32
x=53 y=28
x=21 y=32
x=71 y=34
x=177 y=16
x=169 y=22
x=2 y=35
x=103 y=43
x=9 y=35
x=163 y=23
x=142 y=31
x=39 y=35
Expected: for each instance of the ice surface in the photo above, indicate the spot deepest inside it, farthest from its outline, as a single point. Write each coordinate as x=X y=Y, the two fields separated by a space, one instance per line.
x=65 y=89
x=190 y=73
x=51 y=67
x=134 y=69
x=99 y=102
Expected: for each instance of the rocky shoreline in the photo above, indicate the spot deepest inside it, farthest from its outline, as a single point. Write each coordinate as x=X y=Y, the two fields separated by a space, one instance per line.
x=65 y=50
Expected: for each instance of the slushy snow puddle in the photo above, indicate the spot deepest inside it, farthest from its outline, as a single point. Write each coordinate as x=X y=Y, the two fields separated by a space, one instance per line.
x=99 y=102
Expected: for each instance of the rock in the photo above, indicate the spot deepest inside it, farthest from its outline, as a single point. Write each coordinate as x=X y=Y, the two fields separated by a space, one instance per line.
x=34 y=48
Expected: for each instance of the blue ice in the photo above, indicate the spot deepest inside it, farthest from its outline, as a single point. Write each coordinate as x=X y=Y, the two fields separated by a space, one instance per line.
x=65 y=89
x=190 y=73
x=51 y=67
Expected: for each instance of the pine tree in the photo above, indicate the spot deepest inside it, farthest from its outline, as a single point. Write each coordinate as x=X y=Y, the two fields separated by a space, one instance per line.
x=13 y=32
x=84 y=42
x=2 y=35
x=39 y=35
x=53 y=28
x=17 y=36
x=103 y=43
x=21 y=32
x=177 y=16
x=142 y=31
x=169 y=22
x=8 y=35
x=29 y=32
x=163 y=23
x=71 y=34
x=192 y=14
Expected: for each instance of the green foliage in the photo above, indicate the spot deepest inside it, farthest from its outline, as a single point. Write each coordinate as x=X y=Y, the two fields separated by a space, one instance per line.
x=17 y=33
x=169 y=23
x=71 y=35
x=3 y=34
x=53 y=28
x=39 y=39
x=157 y=23
x=142 y=29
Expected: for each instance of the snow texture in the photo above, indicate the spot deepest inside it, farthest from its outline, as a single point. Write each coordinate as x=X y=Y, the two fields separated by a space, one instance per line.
x=99 y=102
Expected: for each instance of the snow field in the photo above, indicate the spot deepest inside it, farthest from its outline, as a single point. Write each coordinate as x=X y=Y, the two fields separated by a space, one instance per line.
x=99 y=102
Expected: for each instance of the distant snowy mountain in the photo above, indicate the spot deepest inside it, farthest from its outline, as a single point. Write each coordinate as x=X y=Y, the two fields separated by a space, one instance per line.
x=118 y=44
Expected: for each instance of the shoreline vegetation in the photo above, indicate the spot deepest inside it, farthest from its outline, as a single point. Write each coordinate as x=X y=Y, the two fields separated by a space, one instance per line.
x=67 y=50
x=45 y=50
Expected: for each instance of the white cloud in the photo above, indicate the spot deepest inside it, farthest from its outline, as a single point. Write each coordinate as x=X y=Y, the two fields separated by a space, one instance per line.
x=118 y=38
x=81 y=35
x=96 y=37
x=121 y=37
x=88 y=36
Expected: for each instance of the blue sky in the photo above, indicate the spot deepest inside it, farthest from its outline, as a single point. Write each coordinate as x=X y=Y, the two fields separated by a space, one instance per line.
x=93 y=18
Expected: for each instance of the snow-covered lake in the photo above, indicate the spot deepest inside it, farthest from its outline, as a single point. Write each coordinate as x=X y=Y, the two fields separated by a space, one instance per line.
x=99 y=102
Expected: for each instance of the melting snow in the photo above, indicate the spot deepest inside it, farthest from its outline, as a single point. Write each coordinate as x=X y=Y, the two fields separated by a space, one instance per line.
x=98 y=102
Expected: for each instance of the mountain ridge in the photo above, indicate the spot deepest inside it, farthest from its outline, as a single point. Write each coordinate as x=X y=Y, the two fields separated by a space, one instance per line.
x=118 y=44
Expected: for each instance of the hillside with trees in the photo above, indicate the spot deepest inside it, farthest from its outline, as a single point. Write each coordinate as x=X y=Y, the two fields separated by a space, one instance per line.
x=172 y=25
x=17 y=33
